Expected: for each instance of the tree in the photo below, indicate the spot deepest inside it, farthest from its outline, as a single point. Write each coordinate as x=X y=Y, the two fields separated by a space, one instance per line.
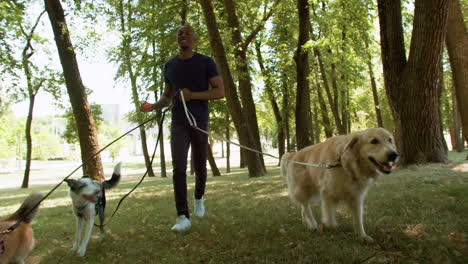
x=413 y=84
x=125 y=12
x=457 y=46
x=304 y=132
x=245 y=134
x=76 y=91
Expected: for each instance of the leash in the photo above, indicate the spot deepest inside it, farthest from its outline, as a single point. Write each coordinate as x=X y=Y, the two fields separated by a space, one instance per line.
x=144 y=175
x=14 y=226
x=193 y=123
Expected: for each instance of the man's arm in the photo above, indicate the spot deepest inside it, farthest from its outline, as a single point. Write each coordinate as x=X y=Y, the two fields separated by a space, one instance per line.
x=165 y=100
x=216 y=91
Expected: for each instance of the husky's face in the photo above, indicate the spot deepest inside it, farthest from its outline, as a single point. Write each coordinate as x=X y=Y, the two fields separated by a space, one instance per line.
x=85 y=188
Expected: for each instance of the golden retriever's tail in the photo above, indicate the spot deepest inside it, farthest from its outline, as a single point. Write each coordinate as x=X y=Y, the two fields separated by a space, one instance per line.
x=28 y=208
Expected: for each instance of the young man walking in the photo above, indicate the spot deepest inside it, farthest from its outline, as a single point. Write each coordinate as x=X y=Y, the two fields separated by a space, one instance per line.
x=190 y=73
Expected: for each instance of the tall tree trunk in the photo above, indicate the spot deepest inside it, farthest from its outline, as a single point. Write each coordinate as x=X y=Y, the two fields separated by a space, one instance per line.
x=331 y=100
x=458 y=142
x=286 y=105
x=76 y=91
x=28 y=51
x=324 y=112
x=245 y=83
x=246 y=137
x=457 y=46
x=126 y=49
x=412 y=85
x=304 y=132
x=375 y=95
x=272 y=99
x=228 y=149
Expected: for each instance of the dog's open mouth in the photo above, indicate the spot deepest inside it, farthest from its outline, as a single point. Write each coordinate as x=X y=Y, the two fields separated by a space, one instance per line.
x=385 y=167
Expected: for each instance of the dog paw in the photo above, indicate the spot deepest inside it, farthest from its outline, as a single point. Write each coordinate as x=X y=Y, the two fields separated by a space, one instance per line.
x=366 y=239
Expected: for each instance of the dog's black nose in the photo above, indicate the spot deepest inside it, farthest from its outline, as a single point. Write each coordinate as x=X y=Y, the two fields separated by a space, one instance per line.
x=392 y=156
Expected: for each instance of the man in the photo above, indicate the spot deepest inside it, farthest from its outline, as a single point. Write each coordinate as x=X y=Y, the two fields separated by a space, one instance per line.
x=191 y=73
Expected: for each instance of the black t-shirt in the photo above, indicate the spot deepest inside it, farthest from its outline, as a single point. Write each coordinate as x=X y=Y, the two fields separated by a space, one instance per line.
x=192 y=73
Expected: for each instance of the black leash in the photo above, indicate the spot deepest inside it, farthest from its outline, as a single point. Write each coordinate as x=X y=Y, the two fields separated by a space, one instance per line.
x=144 y=175
x=14 y=226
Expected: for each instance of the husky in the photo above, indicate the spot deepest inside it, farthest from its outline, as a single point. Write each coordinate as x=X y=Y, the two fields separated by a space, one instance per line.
x=16 y=245
x=89 y=199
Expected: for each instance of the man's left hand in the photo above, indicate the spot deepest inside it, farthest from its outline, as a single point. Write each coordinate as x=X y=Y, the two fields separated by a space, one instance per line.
x=187 y=94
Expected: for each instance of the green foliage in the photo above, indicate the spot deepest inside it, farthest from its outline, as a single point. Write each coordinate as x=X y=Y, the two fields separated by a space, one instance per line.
x=11 y=131
x=108 y=133
x=71 y=132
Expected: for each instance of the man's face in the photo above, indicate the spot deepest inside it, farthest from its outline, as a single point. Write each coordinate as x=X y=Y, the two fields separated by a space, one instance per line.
x=185 y=37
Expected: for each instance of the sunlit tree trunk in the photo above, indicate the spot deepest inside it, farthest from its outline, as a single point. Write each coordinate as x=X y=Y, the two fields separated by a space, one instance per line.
x=76 y=91
x=457 y=46
x=413 y=85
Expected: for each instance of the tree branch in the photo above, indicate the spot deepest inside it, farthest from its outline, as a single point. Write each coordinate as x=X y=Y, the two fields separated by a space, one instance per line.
x=252 y=35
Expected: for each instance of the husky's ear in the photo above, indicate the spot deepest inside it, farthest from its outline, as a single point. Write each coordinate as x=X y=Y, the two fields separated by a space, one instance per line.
x=74 y=184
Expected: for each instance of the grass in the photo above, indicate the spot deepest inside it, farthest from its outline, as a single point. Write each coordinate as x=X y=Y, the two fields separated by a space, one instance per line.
x=416 y=215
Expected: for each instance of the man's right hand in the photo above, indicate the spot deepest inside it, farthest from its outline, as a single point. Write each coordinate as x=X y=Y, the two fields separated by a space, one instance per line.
x=146 y=107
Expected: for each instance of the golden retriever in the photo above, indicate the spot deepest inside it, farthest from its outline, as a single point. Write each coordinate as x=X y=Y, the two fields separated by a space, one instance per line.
x=16 y=245
x=363 y=155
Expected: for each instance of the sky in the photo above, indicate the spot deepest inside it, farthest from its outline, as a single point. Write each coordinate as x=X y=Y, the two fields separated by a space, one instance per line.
x=98 y=76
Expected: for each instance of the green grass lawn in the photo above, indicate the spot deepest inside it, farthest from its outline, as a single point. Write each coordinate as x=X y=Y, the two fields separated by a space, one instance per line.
x=415 y=215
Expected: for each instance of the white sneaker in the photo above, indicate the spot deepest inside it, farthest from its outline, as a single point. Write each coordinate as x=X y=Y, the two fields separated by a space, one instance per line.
x=182 y=224
x=199 y=207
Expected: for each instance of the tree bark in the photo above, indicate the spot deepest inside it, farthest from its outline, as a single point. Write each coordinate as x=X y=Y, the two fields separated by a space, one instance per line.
x=274 y=104
x=457 y=137
x=331 y=100
x=246 y=137
x=375 y=95
x=457 y=46
x=304 y=132
x=127 y=55
x=228 y=149
x=245 y=82
x=211 y=160
x=413 y=85
x=76 y=91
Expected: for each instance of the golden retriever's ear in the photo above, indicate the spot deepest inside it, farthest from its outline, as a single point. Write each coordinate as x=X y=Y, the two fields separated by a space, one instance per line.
x=349 y=157
x=351 y=143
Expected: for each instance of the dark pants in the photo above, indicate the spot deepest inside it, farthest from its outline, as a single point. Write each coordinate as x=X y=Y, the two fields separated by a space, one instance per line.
x=183 y=136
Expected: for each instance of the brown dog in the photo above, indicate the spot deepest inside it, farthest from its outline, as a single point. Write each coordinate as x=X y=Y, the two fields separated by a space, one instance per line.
x=363 y=156
x=16 y=245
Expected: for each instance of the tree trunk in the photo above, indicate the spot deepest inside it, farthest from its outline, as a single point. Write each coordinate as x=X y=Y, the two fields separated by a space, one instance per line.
x=127 y=54
x=456 y=136
x=375 y=96
x=457 y=46
x=76 y=91
x=245 y=83
x=228 y=149
x=331 y=101
x=412 y=85
x=304 y=132
x=254 y=163
x=272 y=99
x=211 y=160
x=324 y=112
x=286 y=106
